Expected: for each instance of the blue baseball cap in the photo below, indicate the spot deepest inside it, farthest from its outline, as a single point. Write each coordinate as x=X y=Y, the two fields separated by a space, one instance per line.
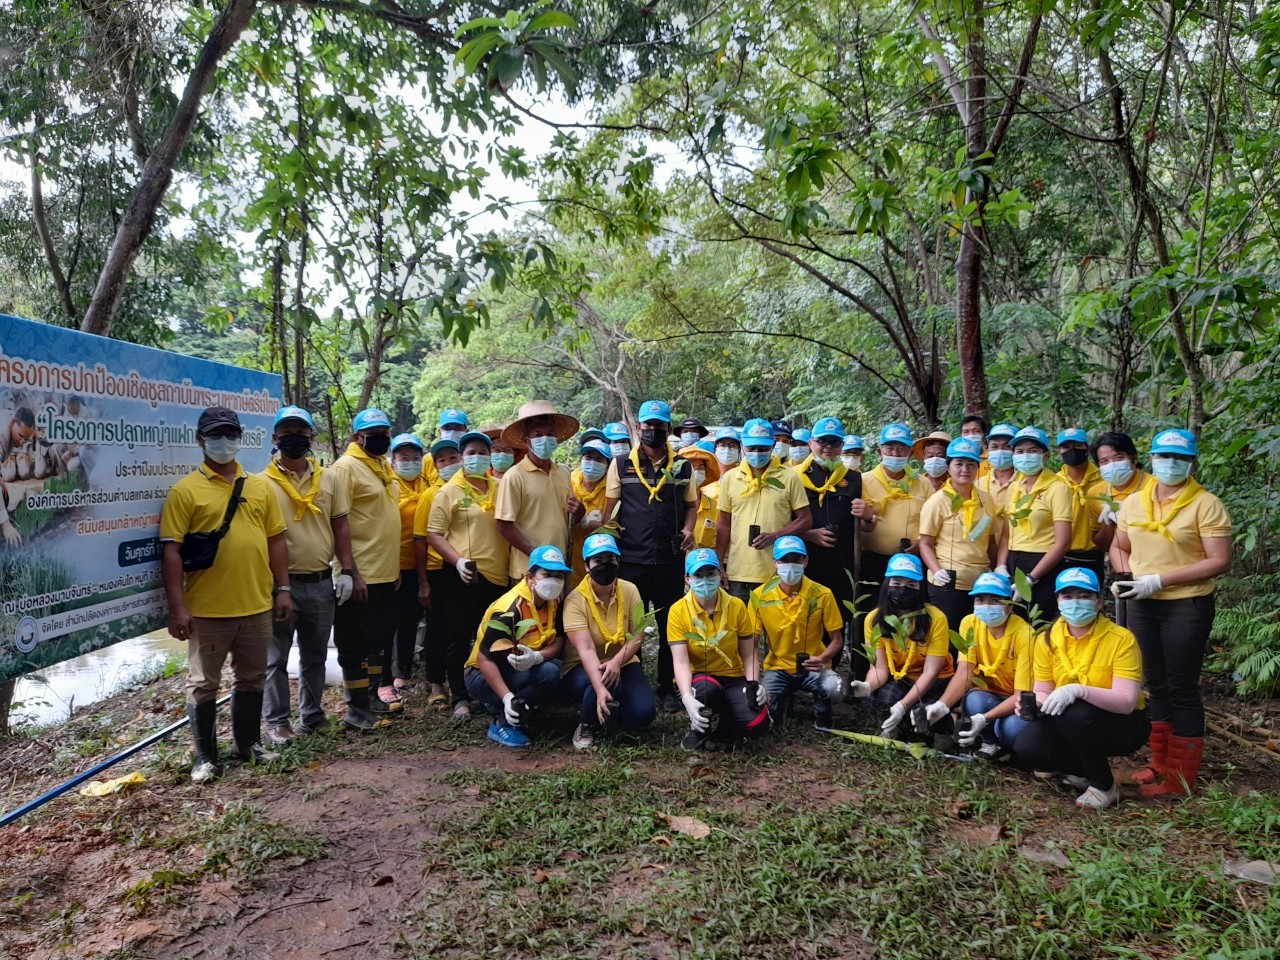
x=548 y=557
x=1007 y=430
x=597 y=446
x=896 y=433
x=992 y=585
x=757 y=433
x=853 y=442
x=706 y=444
x=828 y=427
x=729 y=433
x=781 y=427
x=700 y=559
x=407 y=440
x=453 y=416
x=802 y=435
x=1079 y=578
x=440 y=446
x=654 y=410
x=293 y=413
x=599 y=543
x=1032 y=433
x=591 y=434
x=370 y=419
x=1072 y=435
x=789 y=544
x=474 y=435
x=906 y=566
x=964 y=449
x=1175 y=441
x=615 y=431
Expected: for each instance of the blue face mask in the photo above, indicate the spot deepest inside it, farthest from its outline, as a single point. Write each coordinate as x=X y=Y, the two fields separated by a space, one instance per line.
x=1117 y=472
x=1169 y=471
x=1000 y=459
x=502 y=461
x=704 y=588
x=476 y=464
x=446 y=473
x=992 y=614
x=1078 y=613
x=759 y=458
x=1028 y=463
x=543 y=447
x=593 y=469
x=894 y=464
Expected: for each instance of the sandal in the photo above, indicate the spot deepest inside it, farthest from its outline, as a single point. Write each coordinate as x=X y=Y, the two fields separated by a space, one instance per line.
x=437 y=701
x=462 y=710
x=389 y=695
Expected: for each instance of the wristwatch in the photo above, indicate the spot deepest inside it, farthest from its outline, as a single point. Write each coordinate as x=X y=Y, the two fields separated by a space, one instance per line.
x=348 y=571
x=281 y=589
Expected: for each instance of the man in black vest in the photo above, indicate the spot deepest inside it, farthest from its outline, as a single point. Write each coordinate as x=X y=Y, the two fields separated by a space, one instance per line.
x=658 y=504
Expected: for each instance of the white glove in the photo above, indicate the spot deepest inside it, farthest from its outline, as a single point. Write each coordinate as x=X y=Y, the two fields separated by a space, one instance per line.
x=343 y=586
x=942 y=578
x=935 y=712
x=1139 y=589
x=1061 y=698
x=693 y=707
x=463 y=570
x=1107 y=515
x=508 y=707
x=859 y=689
x=762 y=695
x=897 y=713
x=977 y=723
x=834 y=686
x=1002 y=570
x=592 y=518
x=524 y=658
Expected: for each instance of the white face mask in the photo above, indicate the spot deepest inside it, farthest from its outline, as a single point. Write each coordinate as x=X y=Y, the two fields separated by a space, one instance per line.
x=790 y=573
x=451 y=434
x=620 y=448
x=799 y=453
x=935 y=466
x=689 y=439
x=781 y=450
x=851 y=461
x=728 y=456
x=548 y=588
x=446 y=473
x=408 y=469
x=221 y=449
x=699 y=477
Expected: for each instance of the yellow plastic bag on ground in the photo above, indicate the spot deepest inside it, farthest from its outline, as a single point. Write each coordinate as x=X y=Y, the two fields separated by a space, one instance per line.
x=101 y=788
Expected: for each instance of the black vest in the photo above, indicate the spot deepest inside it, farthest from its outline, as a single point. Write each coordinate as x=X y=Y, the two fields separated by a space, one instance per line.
x=830 y=562
x=649 y=529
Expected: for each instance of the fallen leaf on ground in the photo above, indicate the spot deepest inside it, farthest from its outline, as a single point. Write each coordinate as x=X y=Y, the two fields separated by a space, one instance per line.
x=471 y=792
x=383 y=880
x=960 y=810
x=1049 y=855
x=637 y=927
x=570 y=855
x=689 y=826
x=662 y=841
x=1273 y=746
x=1255 y=871
x=540 y=876
x=981 y=834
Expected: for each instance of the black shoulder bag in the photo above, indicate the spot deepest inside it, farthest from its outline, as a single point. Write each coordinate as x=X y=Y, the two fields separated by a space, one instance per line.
x=199 y=550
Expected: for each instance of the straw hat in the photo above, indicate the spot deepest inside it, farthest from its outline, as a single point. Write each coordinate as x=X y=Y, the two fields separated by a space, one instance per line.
x=494 y=432
x=515 y=434
x=917 y=448
x=708 y=461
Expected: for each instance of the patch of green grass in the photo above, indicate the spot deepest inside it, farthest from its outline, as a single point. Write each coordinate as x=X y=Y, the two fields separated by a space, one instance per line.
x=1252 y=820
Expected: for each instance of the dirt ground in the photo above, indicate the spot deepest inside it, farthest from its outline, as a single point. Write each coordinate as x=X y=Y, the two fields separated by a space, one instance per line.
x=346 y=848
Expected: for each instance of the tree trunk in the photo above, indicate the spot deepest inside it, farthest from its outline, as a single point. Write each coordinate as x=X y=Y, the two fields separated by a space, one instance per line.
x=153 y=184
x=41 y=221
x=6 y=703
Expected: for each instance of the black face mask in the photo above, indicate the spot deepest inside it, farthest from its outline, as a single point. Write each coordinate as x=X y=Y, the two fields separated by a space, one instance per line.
x=653 y=438
x=376 y=444
x=904 y=598
x=604 y=574
x=294 y=446
x=1075 y=458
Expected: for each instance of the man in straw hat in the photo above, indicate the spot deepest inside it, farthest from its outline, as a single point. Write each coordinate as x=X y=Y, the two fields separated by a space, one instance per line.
x=535 y=503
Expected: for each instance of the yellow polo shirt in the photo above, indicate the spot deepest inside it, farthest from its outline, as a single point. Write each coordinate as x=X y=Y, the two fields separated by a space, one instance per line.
x=421 y=521
x=310 y=536
x=937 y=644
x=1083 y=523
x=1033 y=513
x=535 y=502
x=511 y=609
x=374 y=520
x=464 y=516
x=411 y=494
x=768 y=505
x=1152 y=552
x=960 y=548
x=582 y=611
x=704 y=525
x=712 y=640
x=794 y=625
x=591 y=500
x=897 y=505
x=1105 y=652
x=1119 y=494
x=988 y=483
x=239 y=582
x=1001 y=665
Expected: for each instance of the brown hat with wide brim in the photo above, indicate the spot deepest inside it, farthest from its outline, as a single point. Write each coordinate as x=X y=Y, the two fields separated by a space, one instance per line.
x=917 y=448
x=515 y=434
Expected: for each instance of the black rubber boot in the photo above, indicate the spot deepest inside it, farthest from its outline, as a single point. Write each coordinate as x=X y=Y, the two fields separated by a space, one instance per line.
x=203 y=718
x=246 y=727
x=355 y=692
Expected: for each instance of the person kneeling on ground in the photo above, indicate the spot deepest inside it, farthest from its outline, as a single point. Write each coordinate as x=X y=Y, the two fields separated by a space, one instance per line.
x=515 y=668
x=713 y=651
x=911 y=642
x=601 y=666
x=991 y=672
x=1088 y=685
x=803 y=626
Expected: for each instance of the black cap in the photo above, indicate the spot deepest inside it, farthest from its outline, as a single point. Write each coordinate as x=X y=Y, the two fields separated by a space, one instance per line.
x=215 y=417
x=692 y=423
x=783 y=428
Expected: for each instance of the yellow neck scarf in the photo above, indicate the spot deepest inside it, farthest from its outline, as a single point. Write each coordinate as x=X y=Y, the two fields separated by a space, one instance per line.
x=1161 y=526
x=1060 y=639
x=615 y=638
x=968 y=509
x=1024 y=502
x=302 y=500
x=906 y=662
x=546 y=629
x=833 y=481
x=653 y=491
x=412 y=490
x=894 y=489
x=752 y=483
x=1009 y=648
x=591 y=499
x=485 y=501
x=381 y=469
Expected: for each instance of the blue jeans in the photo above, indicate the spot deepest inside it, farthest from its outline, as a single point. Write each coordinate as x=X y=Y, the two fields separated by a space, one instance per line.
x=781 y=684
x=636 y=709
x=1005 y=730
x=535 y=687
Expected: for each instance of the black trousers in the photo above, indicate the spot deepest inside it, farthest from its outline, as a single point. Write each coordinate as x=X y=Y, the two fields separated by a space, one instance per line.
x=458 y=608
x=1089 y=559
x=660 y=584
x=433 y=645
x=727 y=697
x=840 y=583
x=363 y=633
x=1080 y=741
x=1173 y=636
x=1042 y=594
x=409 y=614
x=953 y=601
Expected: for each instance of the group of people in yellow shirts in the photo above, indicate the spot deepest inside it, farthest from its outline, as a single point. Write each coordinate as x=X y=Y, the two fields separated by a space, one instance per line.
x=977 y=578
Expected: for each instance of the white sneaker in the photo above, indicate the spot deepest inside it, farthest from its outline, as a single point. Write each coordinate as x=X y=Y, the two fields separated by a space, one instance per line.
x=203 y=771
x=1096 y=799
x=1076 y=783
x=584 y=738
x=990 y=751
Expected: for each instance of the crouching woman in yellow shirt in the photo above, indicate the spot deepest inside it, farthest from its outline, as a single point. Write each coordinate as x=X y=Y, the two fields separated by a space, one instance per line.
x=713 y=651
x=510 y=672
x=1088 y=688
x=912 y=662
